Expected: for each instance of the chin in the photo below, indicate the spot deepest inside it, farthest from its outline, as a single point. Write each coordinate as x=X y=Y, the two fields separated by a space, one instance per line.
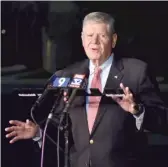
x=94 y=57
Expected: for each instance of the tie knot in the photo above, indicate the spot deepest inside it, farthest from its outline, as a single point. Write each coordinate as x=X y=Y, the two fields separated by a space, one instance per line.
x=98 y=70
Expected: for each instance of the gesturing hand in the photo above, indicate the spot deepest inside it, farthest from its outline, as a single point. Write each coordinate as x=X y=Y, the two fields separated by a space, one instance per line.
x=21 y=130
x=127 y=101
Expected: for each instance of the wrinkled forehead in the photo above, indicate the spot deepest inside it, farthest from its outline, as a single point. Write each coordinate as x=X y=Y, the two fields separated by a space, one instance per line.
x=95 y=26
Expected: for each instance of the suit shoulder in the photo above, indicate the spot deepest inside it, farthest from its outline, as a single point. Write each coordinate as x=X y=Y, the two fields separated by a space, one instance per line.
x=72 y=69
x=74 y=65
x=134 y=63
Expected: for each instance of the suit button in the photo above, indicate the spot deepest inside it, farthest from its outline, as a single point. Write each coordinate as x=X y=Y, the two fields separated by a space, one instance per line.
x=91 y=141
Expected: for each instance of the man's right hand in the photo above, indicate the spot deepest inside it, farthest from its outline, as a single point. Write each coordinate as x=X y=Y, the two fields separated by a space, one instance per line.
x=21 y=130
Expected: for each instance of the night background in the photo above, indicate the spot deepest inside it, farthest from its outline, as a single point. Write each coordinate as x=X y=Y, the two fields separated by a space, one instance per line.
x=38 y=38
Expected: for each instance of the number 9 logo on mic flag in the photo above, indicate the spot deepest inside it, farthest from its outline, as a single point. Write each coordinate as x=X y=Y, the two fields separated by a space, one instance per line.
x=61 y=82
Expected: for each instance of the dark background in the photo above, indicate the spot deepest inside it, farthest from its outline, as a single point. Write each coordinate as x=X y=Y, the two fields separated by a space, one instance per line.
x=143 y=33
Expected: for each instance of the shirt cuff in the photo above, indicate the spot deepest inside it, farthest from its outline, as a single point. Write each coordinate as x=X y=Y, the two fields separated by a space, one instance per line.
x=38 y=136
x=139 y=119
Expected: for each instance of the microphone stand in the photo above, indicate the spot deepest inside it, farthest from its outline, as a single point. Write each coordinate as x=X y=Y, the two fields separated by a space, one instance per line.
x=66 y=137
x=65 y=114
x=50 y=116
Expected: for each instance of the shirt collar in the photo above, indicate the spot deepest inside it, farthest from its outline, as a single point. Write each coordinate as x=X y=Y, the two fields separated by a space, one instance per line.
x=106 y=64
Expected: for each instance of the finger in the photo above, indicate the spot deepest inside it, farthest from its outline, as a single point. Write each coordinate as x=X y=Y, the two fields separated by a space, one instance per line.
x=128 y=97
x=12 y=128
x=29 y=122
x=14 y=133
x=65 y=99
x=9 y=129
x=15 y=139
x=122 y=87
x=116 y=99
x=127 y=90
x=16 y=122
x=65 y=93
x=124 y=98
x=131 y=96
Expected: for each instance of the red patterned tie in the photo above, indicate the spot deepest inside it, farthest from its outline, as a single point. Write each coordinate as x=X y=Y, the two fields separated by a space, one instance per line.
x=94 y=100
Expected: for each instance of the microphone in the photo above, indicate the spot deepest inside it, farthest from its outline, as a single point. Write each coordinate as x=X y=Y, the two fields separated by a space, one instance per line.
x=77 y=82
x=44 y=94
x=70 y=86
x=60 y=83
x=54 y=82
x=49 y=84
x=57 y=82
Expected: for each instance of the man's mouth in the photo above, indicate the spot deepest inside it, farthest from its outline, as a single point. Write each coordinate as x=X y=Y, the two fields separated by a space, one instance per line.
x=94 y=49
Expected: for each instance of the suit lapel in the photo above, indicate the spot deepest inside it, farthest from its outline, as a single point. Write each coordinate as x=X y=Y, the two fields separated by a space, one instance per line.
x=80 y=99
x=115 y=75
x=113 y=82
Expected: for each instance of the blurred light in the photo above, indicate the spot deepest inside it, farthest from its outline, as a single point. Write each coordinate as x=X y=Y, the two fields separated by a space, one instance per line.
x=3 y=31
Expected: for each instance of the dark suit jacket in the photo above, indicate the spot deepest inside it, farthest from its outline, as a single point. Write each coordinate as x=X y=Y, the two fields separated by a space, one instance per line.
x=114 y=141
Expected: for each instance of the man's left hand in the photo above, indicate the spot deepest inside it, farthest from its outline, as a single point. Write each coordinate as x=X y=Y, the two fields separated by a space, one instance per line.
x=127 y=102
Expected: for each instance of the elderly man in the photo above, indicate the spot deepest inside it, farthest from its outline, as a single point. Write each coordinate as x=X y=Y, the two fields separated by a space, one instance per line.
x=104 y=134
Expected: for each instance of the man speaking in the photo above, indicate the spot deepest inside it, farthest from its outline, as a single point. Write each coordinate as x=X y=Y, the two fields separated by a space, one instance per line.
x=104 y=128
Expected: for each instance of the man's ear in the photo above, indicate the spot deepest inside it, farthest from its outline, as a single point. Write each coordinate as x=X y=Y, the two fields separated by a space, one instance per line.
x=114 y=40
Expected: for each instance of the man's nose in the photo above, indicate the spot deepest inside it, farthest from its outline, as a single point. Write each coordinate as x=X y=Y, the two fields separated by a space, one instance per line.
x=95 y=39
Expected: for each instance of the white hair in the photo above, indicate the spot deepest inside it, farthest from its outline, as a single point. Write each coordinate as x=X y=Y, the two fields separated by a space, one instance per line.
x=101 y=17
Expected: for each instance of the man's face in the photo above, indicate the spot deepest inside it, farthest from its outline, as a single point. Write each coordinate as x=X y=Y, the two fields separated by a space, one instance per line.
x=97 y=41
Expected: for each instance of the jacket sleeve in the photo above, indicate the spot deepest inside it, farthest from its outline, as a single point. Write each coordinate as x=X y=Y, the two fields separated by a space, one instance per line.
x=155 y=109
